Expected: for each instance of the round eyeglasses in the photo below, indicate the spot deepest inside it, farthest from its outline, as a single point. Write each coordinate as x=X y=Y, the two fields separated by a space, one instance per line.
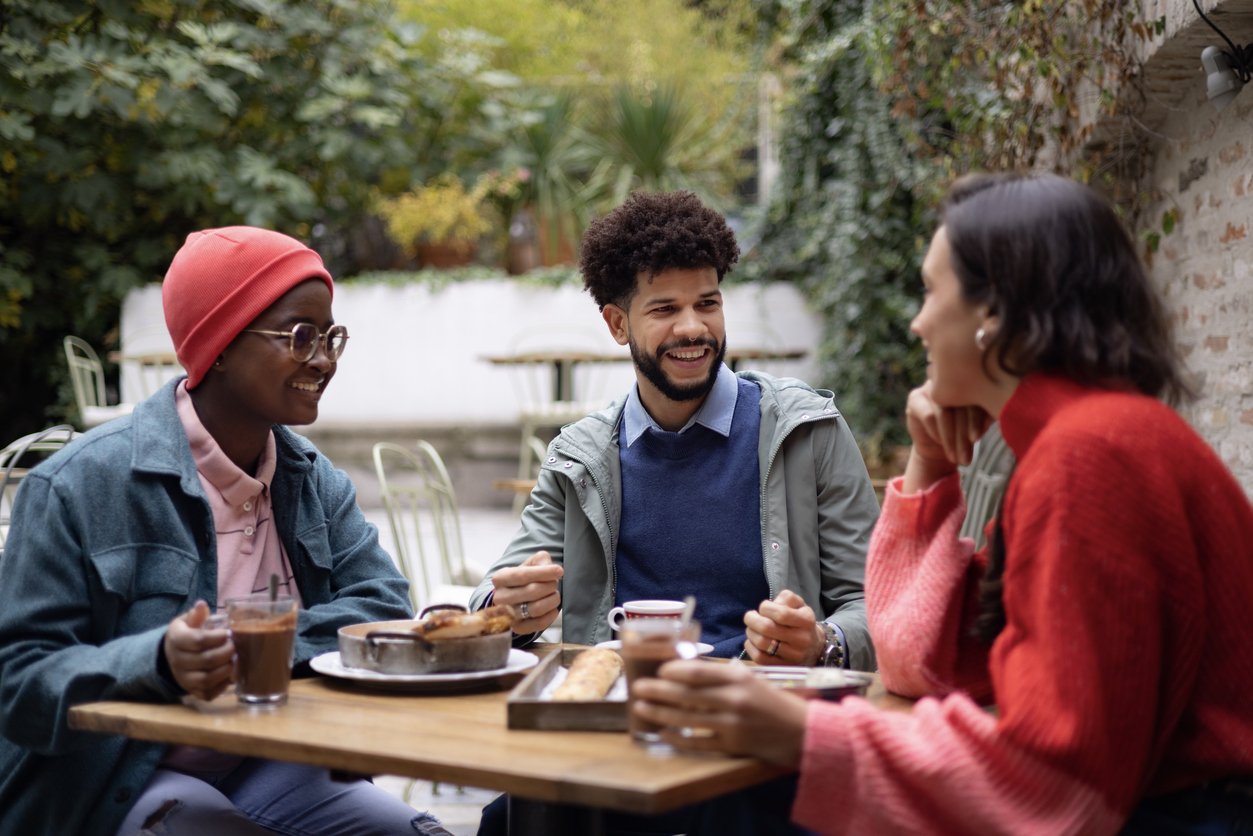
x=304 y=338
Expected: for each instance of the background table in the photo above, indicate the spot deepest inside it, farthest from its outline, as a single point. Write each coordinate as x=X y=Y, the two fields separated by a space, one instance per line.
x=563 y=362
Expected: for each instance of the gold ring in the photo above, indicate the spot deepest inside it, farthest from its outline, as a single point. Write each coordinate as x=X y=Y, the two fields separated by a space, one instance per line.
x=774 y=648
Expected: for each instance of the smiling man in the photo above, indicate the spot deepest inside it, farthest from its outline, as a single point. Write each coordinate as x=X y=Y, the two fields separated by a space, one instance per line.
x=747 y=491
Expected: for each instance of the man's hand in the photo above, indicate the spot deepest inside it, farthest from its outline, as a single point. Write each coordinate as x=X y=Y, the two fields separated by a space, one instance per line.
x=723 y=708
x=530 y=590
x=788 y=627
x=201 y=660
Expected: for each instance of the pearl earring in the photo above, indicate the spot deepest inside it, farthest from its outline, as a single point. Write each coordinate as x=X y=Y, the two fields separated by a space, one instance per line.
x=981 y=338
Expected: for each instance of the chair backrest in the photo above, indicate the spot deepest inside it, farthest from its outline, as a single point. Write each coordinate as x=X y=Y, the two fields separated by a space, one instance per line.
x=86 y=373
x=151 y=372
x=422 y=513
x=446 y=516
x=147 y=360
x=11 y=462
x=539 y=451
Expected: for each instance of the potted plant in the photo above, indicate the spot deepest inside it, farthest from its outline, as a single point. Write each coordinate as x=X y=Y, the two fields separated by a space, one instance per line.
x=439 y=222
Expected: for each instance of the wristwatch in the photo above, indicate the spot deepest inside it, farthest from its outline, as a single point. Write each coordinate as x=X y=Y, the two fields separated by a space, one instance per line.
x=832 y=655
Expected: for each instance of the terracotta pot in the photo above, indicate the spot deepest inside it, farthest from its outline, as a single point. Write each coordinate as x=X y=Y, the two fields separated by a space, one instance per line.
x=441 y=255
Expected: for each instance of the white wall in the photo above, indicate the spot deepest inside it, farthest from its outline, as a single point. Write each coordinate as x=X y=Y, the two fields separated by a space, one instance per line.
x=414 y=354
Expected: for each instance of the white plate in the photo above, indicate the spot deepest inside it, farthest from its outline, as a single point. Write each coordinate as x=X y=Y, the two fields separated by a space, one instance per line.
x=329 y=664
x=616 y=644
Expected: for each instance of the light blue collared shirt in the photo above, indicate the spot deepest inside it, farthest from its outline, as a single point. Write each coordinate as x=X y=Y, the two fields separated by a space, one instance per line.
x=715 y=413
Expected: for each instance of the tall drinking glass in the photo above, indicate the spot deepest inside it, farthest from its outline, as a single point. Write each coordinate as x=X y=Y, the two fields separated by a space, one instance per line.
x=647 y=644
x=264 y=634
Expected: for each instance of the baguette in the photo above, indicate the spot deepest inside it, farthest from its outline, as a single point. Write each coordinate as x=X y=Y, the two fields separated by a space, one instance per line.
x=590 y=677
x=451 y=624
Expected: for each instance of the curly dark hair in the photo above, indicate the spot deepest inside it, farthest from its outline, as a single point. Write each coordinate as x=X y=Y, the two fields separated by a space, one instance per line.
x=649 y=233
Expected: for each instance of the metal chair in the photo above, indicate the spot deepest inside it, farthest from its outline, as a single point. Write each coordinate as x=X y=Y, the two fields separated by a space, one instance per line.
x=87 y=377
x=146 y=361
x=422 y=513
x=45 y=441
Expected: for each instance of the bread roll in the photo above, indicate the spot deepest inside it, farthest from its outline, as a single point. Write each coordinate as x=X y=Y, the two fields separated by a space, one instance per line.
x=452 y=624
x=590 y=677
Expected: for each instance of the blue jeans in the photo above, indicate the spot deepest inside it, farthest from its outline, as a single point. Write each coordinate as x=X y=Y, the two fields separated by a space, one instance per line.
x=265 y=797
x=1221 y=808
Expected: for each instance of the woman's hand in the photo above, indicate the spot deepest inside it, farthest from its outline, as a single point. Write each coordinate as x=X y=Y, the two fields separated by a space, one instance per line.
x=943 y=437
x=202 y=661
x=723 y=708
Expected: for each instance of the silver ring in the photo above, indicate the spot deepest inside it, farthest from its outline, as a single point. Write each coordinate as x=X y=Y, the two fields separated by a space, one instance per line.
x=525 y=610
x=774 y=648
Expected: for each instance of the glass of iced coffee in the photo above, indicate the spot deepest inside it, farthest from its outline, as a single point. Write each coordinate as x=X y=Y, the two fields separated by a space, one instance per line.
x=263 y=631
x=648 y=643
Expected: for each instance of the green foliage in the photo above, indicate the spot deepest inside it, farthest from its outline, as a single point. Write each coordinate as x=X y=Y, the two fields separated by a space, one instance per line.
x=843 y=222
x=558 y=156
x=465 y=108
x=602 y=82
x=653 y=139
x=888 y=101
x=558 y=276
x=442 y=210
x=124 y=126
x=1016 y=85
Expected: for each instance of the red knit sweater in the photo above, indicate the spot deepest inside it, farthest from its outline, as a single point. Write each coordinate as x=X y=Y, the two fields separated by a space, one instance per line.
x=1126 y=667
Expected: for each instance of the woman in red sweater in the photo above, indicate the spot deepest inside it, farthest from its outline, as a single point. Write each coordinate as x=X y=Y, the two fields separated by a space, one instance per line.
x=1091 y=670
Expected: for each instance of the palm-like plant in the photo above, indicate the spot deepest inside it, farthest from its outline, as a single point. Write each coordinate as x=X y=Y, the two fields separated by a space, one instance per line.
x=554 y=149
x=654 y=140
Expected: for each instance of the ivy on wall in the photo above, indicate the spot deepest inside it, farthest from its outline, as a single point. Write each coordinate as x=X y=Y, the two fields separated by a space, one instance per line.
x=887 y=102
x=844 y=222
x=1025 y=85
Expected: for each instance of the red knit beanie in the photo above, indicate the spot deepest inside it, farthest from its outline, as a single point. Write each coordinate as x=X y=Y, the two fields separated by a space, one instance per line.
x=221 y=280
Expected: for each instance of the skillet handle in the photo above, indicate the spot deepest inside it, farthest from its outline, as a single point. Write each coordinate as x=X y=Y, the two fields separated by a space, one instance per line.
x=390 y=634
x=433 y=607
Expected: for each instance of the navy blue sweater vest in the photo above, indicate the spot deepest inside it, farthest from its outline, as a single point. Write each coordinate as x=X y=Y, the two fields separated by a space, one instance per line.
x=691 y=522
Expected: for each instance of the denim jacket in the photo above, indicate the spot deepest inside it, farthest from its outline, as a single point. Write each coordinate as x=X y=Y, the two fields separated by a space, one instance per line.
x=112 y=538
x=817 y=512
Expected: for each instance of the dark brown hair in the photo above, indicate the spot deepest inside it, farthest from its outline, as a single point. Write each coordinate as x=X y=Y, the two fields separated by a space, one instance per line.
x=649 y=233
x=1050 y=259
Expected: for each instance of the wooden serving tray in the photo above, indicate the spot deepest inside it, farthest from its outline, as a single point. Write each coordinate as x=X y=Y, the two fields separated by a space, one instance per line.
x=525 y=709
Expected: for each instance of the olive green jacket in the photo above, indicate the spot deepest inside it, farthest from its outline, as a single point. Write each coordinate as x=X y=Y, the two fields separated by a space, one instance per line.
x=817 y=511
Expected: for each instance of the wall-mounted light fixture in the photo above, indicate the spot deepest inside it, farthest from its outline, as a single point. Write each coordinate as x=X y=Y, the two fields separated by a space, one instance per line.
x=1225 y=71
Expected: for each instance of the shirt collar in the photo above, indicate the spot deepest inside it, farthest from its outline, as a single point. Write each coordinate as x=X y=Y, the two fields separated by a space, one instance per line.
x=236 y=486
x=714 y=414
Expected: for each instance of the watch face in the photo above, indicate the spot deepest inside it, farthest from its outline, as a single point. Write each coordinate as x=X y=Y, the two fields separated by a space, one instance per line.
x=833 y=653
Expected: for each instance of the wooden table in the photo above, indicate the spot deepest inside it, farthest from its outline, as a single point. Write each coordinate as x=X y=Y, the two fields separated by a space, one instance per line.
x=563 y=362
x=518 y=486
x=556 y=779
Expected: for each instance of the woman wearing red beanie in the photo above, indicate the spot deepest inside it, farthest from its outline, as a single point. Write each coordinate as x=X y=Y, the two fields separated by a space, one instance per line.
x=123 y=542
x=1090 y=671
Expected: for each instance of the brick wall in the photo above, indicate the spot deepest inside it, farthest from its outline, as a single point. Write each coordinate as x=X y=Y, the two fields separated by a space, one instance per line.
x=1202 y=168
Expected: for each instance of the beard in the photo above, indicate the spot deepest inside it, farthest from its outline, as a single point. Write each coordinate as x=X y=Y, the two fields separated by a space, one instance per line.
x=650 y=367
